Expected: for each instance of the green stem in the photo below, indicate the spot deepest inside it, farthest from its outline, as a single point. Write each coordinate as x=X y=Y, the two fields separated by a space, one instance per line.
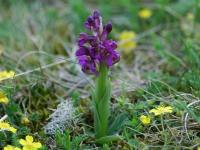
x=101 y=102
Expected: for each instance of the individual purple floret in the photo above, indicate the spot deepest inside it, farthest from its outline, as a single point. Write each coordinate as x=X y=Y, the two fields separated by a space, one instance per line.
x=93 y=22
x=95 y=50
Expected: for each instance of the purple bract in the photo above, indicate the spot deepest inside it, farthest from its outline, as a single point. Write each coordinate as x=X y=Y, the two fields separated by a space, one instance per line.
x=95 y=50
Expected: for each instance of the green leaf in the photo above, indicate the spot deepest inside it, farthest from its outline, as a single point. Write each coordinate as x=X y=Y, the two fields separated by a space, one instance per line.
x=117 y=123
x=68 y=142
x=108 y=139
x=183 y=106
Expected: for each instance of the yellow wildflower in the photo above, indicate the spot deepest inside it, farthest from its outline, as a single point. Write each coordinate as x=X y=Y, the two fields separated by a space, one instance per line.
x=160 y=110
x=145 y=13
x=127 y=41
x=6 y=126
x=127 y=35
x=3 y=98
x=25 y=120
x=145 y=119
x=6 y=75
x=198 y=148
x=10 y=147
x=28 y=143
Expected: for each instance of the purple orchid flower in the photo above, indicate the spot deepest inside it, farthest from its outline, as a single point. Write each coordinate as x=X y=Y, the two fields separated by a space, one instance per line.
x=95 y=50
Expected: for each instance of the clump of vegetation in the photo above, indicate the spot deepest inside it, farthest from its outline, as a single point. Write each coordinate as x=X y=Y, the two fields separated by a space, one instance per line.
x=48 y=101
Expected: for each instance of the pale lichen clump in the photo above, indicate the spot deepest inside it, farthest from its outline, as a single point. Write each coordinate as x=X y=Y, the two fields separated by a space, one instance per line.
x=61 y=118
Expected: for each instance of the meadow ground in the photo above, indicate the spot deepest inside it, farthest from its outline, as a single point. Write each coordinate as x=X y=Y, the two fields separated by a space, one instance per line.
x=155 y=87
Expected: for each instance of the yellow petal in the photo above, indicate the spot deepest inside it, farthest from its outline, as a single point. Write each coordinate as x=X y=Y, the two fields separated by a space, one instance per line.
x=4 y=100
x=160 y=110
x=145 y=119
x=127 y=35
x=128 y=45
x=145 y=13
x=37 y=145
x=27 y=148
x=22 y=142
x=127 y=41
x=152 y=111
x=156 y=112
x=6 y=75
x=12 y=129
x=8 y=147
x=4 y=125
x=169 y=109
x=25 y=121
x=29 y=138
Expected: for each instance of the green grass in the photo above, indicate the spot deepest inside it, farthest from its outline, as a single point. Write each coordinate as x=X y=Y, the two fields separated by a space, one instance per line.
x=163 y=69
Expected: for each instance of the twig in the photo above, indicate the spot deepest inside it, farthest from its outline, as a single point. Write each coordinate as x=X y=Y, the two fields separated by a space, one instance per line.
x=186 y=117
x=3 y=118
x=42 y=67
